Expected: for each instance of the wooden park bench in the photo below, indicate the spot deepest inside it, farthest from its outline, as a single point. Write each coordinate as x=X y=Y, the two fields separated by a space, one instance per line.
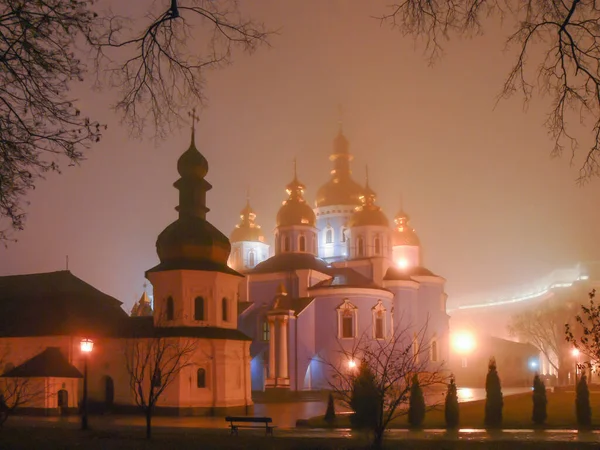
x=238 y=422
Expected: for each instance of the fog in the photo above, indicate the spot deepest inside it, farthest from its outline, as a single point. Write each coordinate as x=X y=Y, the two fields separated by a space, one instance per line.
x=491 y=208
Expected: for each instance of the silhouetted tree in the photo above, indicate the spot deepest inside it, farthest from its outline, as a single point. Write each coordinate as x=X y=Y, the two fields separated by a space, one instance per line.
x=582 y=403
x=556 y=48
x=379 y=388
x=451 y=411
x=155 y=64
x=585 y=334
x=543 y=327
x=416 y=404
x=153 y=363
x=493 y=397
x=540 y=401
x=330 y=412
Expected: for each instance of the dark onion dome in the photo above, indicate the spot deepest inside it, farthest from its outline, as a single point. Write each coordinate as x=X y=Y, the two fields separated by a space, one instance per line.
x=247 y=229
x=403 y=233
x=191 y=242
x=369 y=214
x=295 y=210
x=341 y=189
x=286 y=262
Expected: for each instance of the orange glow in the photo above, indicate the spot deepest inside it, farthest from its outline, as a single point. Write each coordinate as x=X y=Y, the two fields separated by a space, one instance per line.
x=463 y=342
x=86 y=345
x=402 y=263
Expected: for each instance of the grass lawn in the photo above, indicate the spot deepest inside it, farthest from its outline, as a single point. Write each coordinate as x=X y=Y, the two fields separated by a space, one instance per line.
x=516 y=413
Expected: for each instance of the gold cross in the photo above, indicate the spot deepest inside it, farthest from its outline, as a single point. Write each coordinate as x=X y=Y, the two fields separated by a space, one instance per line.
x=194 y=118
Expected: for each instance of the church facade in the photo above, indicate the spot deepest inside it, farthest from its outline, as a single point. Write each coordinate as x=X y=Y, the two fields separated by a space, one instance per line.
x=338 y=272
x=194 y=323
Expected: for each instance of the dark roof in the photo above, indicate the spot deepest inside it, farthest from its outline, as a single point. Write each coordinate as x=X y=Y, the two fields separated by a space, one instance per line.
x=396 y=273
x=243 y=306
x=186 y=264
x=143 y=327
x=50 y=363
x=345 y=277
x=294 y=304
x=55 y=303
x=285 y=262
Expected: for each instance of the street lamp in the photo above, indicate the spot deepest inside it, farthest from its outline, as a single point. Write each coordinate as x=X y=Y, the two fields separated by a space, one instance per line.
x=575 y=353
x=86 y=346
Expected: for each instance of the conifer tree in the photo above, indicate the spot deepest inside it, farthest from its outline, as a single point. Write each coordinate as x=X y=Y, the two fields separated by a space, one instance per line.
x=582 y=403
x=493 y=397
x=330 y=413
x=451 y=412
x=540 y=401
x=416 y=403
x=365 y=400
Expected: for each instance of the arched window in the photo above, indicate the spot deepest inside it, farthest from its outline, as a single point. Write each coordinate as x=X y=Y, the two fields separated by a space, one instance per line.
x=379 y=314
x=170 y=308
x=225 y=308
x=302 y=243
x=329 y=236
x=377 y=245
x=360 y=247
x=201 y=378
x=157 y=378
x=265 y=331
x=434 y=351
x=199 y=308
x=347 y=320
x=286 y=244
x=251 y=261
x=344 y=234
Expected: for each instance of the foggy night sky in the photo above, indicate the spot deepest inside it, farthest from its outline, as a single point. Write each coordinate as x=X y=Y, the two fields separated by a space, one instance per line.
x=491 y=208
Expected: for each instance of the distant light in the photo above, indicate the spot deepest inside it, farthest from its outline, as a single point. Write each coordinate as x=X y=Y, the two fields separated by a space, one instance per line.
x=575 y=352
x=463 y=342
x=402 y=263
x=86 y=345
x=533 y=364
x=352 y=364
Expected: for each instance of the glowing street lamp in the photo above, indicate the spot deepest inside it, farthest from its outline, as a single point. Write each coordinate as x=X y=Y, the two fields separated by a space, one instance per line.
x=463 y=342
x=402 y=263
x=352 y=364
x=86 y=346
x=575 y=353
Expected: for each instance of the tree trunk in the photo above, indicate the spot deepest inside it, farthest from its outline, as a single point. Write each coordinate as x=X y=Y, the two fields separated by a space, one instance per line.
x=378 y=438
x=148 y=423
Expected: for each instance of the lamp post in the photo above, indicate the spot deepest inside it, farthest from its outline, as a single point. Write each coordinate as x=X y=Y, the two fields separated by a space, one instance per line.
x=575 y=353
x=86 y=346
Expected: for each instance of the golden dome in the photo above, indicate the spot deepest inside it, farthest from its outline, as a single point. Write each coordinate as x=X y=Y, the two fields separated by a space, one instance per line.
x=247 y=229
x=191 y=241
x=341 y=189
x=369 y=214
x=403 y=233
x=295 y=210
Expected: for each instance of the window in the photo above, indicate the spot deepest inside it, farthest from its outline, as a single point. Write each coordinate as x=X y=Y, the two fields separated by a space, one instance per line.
x=199 y=308
x=377 y=245
x=170 y=309
x=251 y=261
x=265 y=331
x=329 y=236
x=344 y=234
x=157 y=378
x=347 y=320
x=434 y=351
x=379 y=320
x=302 y=243
x=225 y=309
x=201 y=378
x=360 y=247
x=286 y=244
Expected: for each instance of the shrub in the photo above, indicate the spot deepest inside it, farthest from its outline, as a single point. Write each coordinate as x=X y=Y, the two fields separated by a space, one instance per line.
x=365 y=399
x=540 y=401
x=451 y=406
x=493 y=397
x=416 y=403
x=330 y=413
x=582 y=403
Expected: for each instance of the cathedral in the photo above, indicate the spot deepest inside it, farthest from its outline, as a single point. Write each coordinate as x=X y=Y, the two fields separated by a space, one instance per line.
x=339 y=271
